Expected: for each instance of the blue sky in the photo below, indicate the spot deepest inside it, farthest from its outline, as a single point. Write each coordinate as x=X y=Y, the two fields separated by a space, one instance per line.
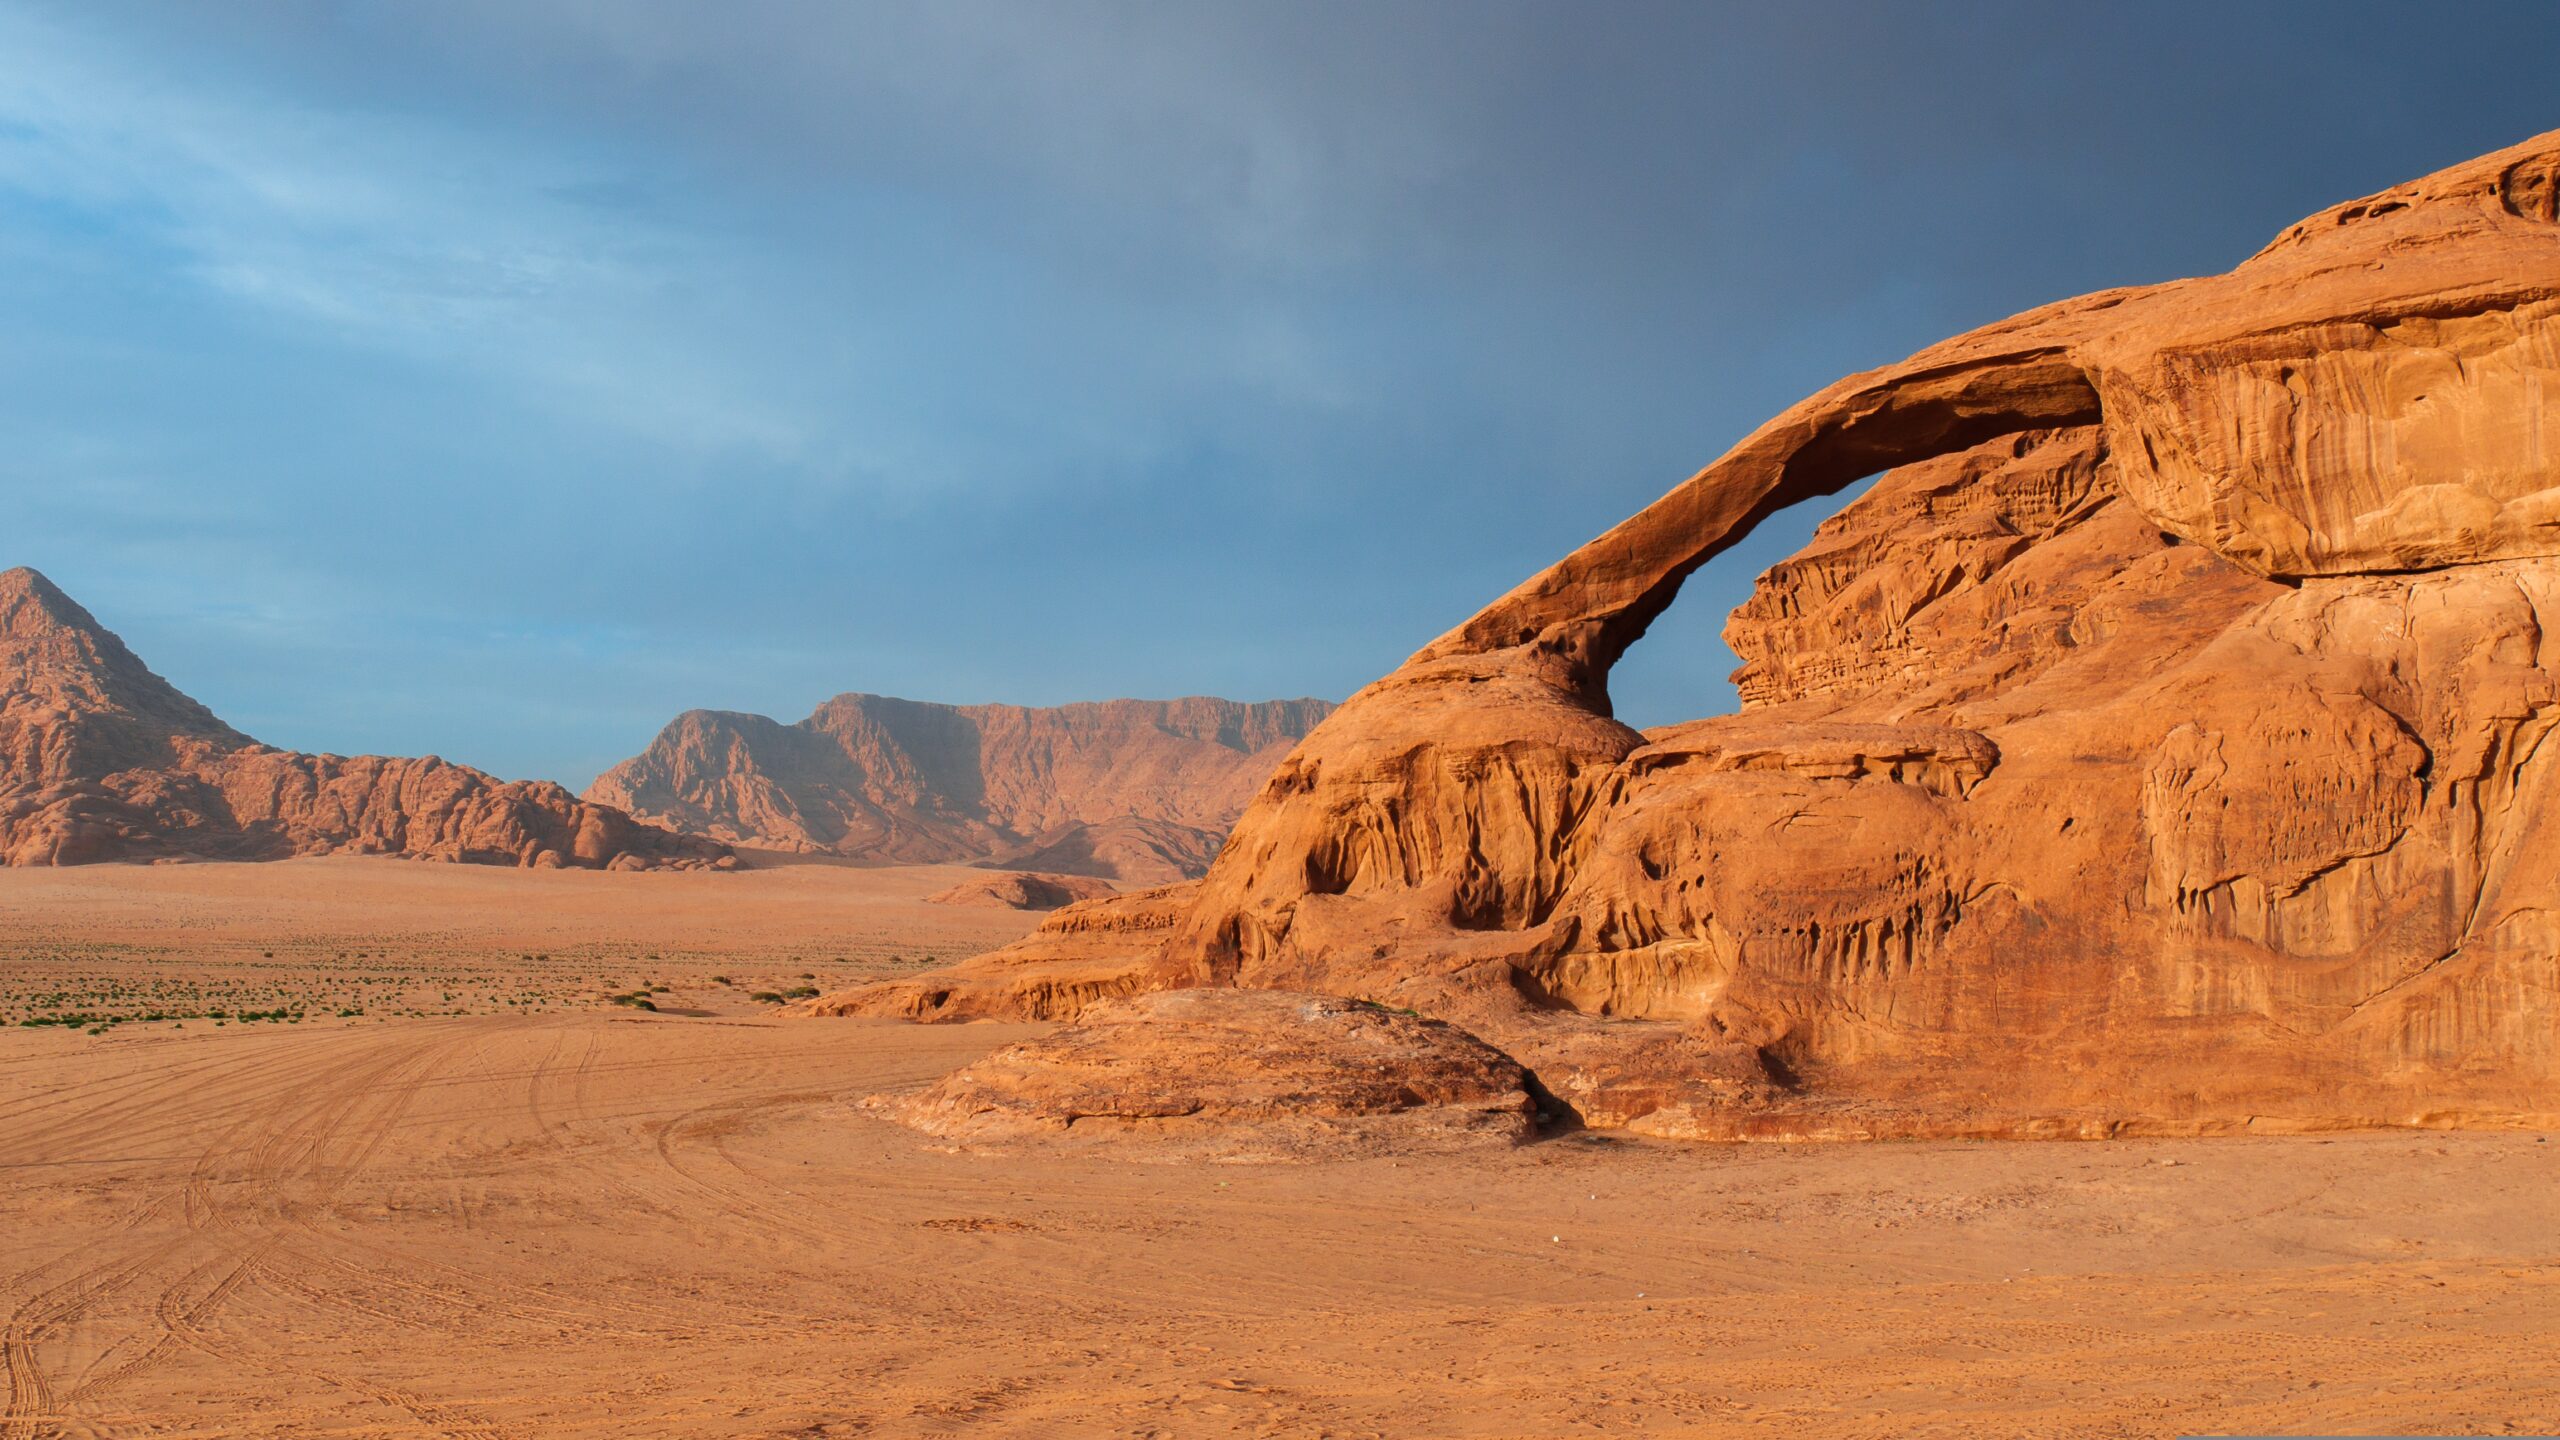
x=497 y=378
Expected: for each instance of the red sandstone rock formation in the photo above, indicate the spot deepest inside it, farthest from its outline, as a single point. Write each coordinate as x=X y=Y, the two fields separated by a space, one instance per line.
x=100 y=759
x=1137 y=791
x=2160 y=746
x=1236 y=1075
x=1085 y=952
x=1022 y=890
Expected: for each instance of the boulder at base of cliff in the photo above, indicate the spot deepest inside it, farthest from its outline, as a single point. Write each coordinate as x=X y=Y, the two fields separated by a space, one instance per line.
x=1022 y=890
x=1237 y=1076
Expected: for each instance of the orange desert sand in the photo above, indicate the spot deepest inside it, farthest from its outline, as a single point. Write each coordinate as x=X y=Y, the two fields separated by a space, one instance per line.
x=573 y=1218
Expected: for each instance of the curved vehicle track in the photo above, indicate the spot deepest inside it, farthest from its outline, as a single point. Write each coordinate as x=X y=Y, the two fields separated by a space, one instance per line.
x=608 y=1225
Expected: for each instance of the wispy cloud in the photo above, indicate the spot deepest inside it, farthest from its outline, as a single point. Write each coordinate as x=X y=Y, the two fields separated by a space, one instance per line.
x=424 y=235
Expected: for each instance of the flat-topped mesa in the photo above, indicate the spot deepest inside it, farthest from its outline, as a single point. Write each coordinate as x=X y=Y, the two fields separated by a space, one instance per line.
x=2156 y=746
x=101 y=759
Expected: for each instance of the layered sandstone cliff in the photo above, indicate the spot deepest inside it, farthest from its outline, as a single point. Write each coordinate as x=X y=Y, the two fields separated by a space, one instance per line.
x=1136 y=791
x=2159 y=746
x=101 y=759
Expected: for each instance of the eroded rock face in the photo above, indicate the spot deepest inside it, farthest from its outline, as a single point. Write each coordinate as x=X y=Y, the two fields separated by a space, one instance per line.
x=1136 y=791
x=100 y=759
x=2158 y=747
x=1101 y=949
x=1237 y=1075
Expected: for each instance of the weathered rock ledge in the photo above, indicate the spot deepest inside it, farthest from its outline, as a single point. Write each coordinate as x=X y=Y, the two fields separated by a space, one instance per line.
x=1235 y=1075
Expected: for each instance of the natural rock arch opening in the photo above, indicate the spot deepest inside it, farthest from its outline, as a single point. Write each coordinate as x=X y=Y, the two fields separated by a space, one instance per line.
x=1682 y=669
x=1590 y=606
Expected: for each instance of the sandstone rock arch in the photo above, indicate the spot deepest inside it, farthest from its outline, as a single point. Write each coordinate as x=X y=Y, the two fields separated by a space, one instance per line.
x=1595 y=603
x=2208 y=724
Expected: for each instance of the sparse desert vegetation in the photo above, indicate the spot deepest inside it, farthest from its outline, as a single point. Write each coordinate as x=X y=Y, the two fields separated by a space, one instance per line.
x=354 y=941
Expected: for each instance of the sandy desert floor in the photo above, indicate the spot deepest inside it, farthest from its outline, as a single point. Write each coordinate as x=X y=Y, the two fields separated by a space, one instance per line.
x=181 y=945
x=581 y=1219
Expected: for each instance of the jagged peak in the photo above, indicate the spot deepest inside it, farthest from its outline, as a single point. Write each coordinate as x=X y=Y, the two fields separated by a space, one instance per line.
x=53 y=651
x=24 y=591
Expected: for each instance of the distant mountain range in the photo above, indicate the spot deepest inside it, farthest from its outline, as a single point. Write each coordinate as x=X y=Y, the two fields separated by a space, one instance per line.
x=101 y=759
x=1136 y=791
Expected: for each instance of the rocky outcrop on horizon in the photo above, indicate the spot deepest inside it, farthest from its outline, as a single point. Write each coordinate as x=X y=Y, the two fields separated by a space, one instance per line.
x=101 y=759
x=1140 y=792
x=2160 y=747
x=1022 y=890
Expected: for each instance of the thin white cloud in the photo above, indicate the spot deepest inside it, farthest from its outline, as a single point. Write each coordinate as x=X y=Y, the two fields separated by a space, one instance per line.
x=381 y=229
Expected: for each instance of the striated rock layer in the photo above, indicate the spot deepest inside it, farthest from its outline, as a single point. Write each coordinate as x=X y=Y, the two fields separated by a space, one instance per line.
x=100 y=759
x=1136 y=791
x=2159 y=746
